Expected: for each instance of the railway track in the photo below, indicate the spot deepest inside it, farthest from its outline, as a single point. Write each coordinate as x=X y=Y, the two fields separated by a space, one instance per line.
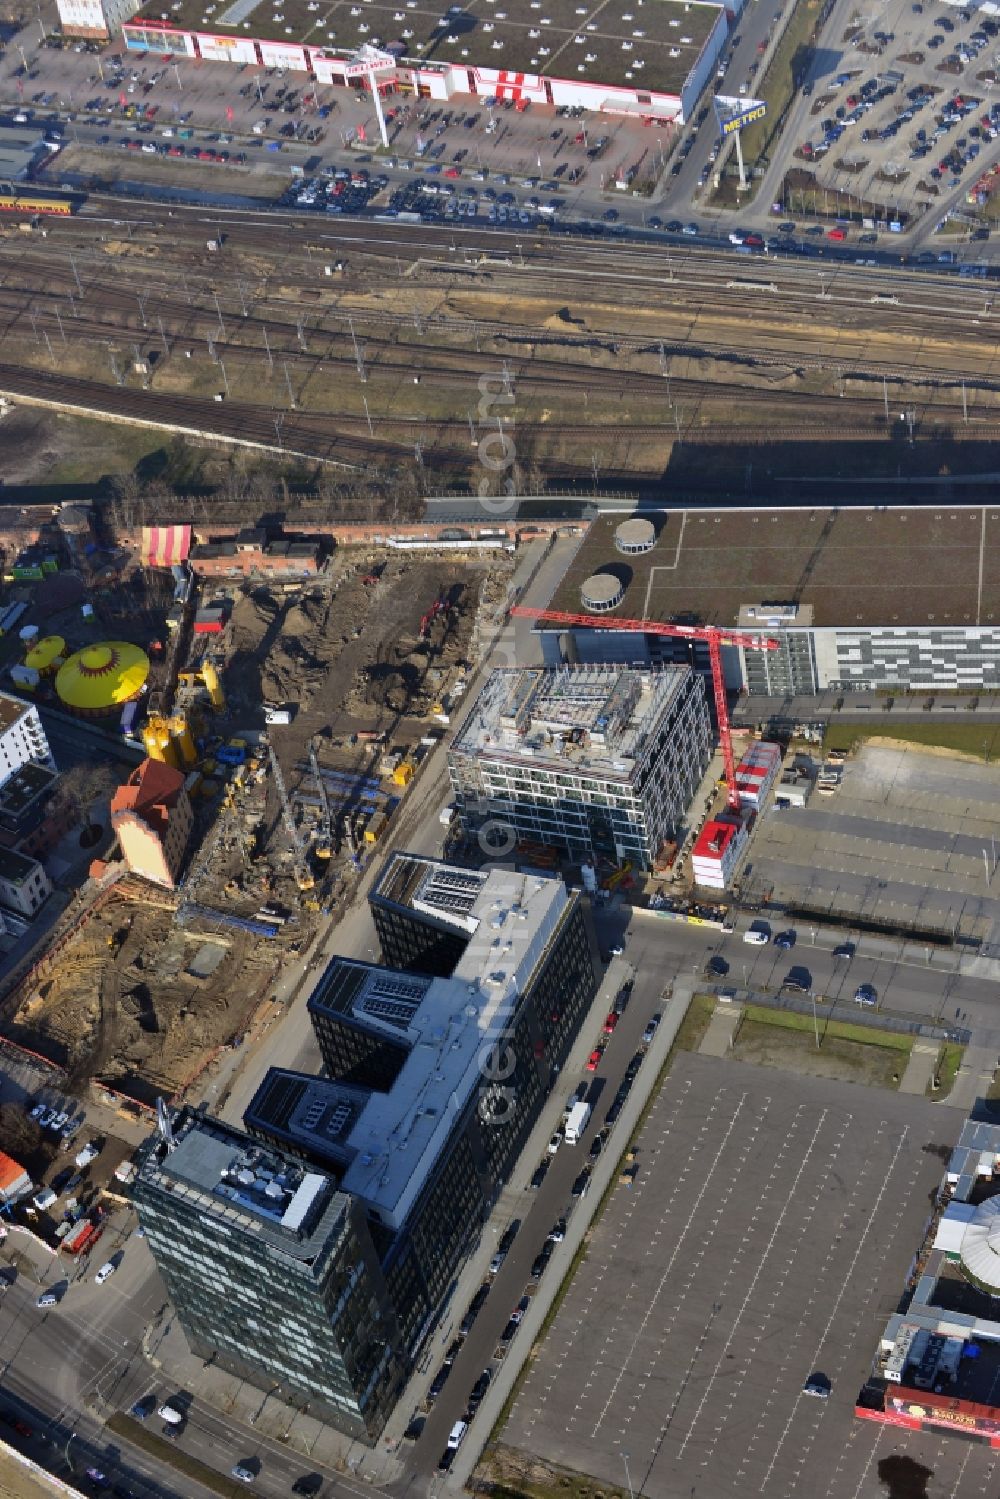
x=89 y=285
x=141 y=312
x=773 y=345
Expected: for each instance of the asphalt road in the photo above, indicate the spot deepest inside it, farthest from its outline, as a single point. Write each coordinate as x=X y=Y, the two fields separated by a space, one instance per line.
x=912 y=989
x=538 y=1210
x=70 y=1367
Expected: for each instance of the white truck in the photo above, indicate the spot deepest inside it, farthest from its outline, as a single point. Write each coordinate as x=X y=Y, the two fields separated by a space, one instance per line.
x=579 y=1118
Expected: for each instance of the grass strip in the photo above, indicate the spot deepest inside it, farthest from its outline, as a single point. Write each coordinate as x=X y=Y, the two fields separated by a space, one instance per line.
x=839 y=1030
x=135 y=1433
x=948 y=1062
x=778 y=84
x=982 y=740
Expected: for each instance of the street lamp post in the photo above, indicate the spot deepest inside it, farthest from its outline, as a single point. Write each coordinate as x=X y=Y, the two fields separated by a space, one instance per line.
x=628 y=1476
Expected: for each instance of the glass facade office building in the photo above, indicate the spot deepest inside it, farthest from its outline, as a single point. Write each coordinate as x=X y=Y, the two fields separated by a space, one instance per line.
x=271 y=1271
x=601 y=761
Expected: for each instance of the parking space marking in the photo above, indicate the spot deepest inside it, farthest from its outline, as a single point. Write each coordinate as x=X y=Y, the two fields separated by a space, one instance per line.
x=846 y=1281
x=670 y=1263
x=753 y=1283
x=818 y=1283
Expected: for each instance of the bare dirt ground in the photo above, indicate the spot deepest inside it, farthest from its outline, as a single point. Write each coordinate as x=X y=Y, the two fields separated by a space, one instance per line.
x=348 y=659
x=347 y=655
x=795 y=1051
x=139 y=1002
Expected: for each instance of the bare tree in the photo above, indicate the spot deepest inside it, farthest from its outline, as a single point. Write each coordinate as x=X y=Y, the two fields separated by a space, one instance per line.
x=84 y=784
x=20 y=1136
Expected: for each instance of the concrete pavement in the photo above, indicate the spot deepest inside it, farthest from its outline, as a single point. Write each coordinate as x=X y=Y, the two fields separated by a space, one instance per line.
x=974 y=1076
x=920 y=1067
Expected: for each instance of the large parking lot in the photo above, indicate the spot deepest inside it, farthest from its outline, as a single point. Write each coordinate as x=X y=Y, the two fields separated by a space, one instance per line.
x=897 y=115
x=767 y=1237
x=908 y=838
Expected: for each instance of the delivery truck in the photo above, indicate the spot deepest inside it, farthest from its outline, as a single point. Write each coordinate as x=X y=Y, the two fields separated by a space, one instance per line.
x=576 y=1123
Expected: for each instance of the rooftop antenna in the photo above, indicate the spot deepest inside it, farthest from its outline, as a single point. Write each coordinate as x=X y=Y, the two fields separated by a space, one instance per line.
x=164 y=1125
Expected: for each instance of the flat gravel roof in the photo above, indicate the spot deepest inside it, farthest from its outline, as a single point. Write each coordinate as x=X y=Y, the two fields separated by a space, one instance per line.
x=906 y=566
x=651 y=45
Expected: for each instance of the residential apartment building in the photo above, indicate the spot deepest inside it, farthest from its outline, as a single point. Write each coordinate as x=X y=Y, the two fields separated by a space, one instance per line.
x=22 y=738
x=24 y=885
x=95 y=19
x=602 y=761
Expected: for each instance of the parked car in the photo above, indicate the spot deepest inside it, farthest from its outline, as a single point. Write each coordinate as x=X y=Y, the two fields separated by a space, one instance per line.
x=866 y=994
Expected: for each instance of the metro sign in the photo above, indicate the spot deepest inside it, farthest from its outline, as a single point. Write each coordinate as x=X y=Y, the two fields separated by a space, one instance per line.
x=735 y=113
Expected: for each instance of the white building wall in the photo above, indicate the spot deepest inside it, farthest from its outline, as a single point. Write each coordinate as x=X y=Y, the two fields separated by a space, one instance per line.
x=825 y=653
x=22 y=742
x=235 y=49
x=29 y=895
x=459 y=76
x=705 y=66
x=87 y=17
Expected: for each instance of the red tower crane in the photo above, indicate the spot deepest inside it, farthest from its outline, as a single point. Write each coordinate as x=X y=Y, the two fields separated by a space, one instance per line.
x=712 y=636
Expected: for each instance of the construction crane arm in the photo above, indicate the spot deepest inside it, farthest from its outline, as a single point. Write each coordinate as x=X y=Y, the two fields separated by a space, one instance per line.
x=649 y=627
x=708 y=635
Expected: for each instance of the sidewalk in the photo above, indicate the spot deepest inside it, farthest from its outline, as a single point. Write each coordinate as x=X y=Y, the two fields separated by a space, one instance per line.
x=264 y=1417
x=920 y=1068
x=974 y=1077
x=578 y=1225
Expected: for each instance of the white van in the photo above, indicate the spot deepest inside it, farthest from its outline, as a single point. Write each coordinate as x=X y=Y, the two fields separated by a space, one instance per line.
x=757 y=935
x=457 y=1435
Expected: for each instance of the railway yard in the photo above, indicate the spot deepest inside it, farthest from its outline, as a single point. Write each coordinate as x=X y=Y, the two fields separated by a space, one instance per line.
x=337 y=347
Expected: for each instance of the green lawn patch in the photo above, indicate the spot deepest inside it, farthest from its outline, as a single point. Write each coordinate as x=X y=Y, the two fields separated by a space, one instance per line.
x=946 y=1070
x=846 y=1052
x=981 y=740
x=778 y=84
x=841 y=1030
